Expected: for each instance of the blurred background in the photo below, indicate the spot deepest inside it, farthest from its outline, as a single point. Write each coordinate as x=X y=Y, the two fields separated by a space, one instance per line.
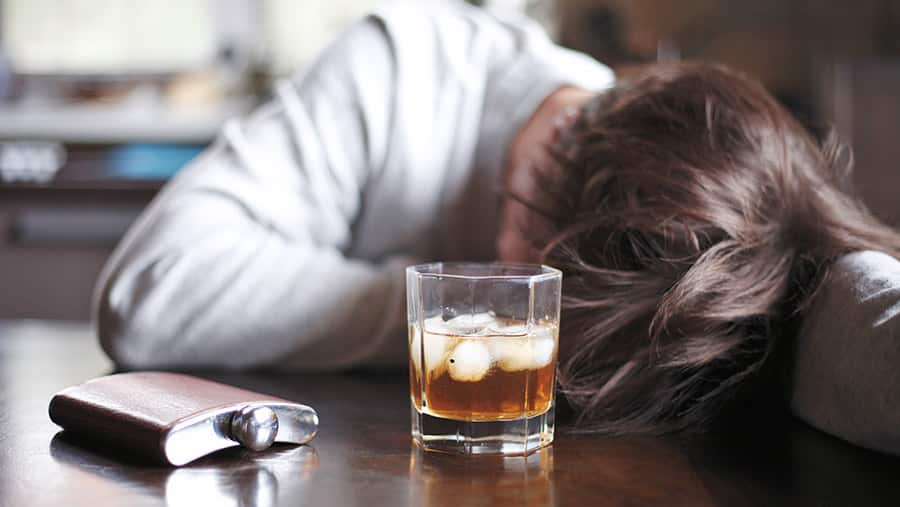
x=102 y=101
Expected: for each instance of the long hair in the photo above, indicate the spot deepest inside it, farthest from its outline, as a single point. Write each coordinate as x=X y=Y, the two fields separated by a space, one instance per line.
x=694 y=219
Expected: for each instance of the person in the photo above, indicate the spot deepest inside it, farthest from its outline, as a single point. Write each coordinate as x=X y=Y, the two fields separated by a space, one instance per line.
x=693 y=218
x=284 y=244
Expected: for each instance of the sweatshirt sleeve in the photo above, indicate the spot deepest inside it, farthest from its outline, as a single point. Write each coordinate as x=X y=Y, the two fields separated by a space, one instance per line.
x=239 y=263
x=846 y=366
x=243 y=260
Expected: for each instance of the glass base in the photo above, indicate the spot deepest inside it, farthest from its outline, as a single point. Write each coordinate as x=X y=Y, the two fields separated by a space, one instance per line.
x=516 y=437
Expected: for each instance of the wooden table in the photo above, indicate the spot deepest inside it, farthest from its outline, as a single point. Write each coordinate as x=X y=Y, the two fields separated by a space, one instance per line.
x=363 y=454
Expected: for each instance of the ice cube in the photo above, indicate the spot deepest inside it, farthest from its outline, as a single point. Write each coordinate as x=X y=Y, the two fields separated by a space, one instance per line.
x=470 y=361
x=438 y=344
x=542 y=351
x=472 y=319
x=436 y=324
x=544 y=345
x=511 y=354
x=523 y=353
x=470 y=323
x=437 y=347
x=516 y=329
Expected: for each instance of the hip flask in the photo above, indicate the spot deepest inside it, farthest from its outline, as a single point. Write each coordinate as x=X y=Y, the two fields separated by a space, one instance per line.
x=174 y=419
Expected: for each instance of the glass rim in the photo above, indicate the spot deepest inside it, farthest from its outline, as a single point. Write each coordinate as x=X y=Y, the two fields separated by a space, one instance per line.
x=546 y=272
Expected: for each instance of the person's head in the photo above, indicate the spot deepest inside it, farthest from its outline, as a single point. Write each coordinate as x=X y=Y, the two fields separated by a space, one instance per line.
x=693 y=218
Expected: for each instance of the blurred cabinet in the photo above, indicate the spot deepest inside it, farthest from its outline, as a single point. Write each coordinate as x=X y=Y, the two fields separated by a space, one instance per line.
x=54 y=242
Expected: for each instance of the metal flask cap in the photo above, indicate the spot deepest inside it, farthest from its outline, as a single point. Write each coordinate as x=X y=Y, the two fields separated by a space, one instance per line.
x=254 y=428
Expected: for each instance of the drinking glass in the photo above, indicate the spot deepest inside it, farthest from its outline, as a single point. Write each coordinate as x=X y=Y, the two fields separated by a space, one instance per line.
x=483 y=342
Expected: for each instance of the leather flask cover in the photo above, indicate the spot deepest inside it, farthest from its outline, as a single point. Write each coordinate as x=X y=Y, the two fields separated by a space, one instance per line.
x=174 y=419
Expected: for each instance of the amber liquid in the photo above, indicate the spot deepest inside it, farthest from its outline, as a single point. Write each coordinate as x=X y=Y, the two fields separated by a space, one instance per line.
x=499 y=395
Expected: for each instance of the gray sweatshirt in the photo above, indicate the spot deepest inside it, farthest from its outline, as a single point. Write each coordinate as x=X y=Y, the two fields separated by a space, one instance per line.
x=283 y=244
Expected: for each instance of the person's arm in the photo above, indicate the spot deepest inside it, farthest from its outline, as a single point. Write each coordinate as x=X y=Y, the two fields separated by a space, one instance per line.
x=239 y=262
x=846 y=374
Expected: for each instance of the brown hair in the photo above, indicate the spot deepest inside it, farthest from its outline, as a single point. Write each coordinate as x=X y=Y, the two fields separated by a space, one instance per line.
x=693 y=218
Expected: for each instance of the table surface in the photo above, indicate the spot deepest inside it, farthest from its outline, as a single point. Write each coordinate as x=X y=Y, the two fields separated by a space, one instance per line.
x=363 y=454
